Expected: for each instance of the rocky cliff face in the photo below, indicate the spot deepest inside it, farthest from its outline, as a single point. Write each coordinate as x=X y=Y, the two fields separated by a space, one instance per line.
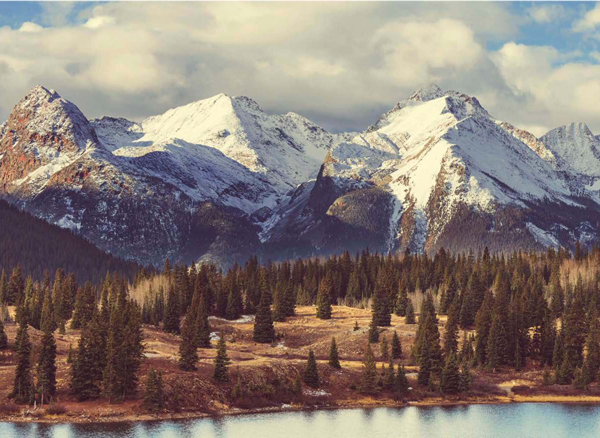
x=219 y=179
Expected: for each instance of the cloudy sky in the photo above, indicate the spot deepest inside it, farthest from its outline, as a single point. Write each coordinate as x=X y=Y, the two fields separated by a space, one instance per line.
x=536 y=65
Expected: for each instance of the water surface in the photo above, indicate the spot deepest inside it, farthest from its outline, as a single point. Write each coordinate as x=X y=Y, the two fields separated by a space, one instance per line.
x=476 y=421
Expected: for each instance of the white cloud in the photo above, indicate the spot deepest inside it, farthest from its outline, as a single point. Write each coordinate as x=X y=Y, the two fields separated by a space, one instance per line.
x=339 y=64
x=554 y=90
x=100 y=21
x=590 y=20
x=28 y=26
x=544 y=13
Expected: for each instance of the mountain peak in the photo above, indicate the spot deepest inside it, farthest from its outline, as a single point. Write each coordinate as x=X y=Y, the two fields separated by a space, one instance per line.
x=39 y=95
x=430 y=92
x=576 y=147
x=44 y=118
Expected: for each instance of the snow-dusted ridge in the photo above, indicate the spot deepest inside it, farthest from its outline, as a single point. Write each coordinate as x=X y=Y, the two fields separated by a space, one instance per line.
x=219 y=177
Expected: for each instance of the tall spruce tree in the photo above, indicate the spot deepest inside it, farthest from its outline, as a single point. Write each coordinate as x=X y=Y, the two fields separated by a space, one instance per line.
x=221 y=361
x=202 y=339
x=450 y=382
x=23 y=389
x=401 y=301
x=592 y=346
x=188 y=354
x=264 y=332
x=483 y=324
x=396 y=352
x=369 y=377
x=373 y=332
x=90 y=359
x=451 y=331
x=324 y=298
x=429 y=352
x=381 y=307
x=3 y=337
x=46 y=368
x=402 y=383
x=154 y=393
x=311 y=372
x=334 y=359
x=171 y=323
x=410 y=313
x=85 y=301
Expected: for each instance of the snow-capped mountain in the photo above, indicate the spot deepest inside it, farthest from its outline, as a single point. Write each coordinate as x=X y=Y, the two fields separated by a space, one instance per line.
x=439 y=170
x=281 y=150
x=220 y=179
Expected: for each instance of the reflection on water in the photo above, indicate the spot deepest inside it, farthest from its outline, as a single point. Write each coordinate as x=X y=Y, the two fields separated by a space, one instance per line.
x=478 y=421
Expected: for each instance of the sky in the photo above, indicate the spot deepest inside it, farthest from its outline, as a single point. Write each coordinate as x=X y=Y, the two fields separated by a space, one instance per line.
x=536 y=65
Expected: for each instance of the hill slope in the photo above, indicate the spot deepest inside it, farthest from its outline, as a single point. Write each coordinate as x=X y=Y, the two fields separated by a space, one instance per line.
x=38 y=245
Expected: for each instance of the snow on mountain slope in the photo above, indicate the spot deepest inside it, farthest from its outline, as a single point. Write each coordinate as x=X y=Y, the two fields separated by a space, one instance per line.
x=440 y=156
x=284 y=150
x=202 y=173
x=219 y=179
x=576 y=149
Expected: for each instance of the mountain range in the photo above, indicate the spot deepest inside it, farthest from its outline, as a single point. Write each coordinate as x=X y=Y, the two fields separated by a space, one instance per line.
x=219 y=180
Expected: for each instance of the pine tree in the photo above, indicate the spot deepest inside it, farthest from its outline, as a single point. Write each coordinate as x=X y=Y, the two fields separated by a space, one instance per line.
x=389 y=375
x=153 y=393
x=23 y=390
x=279 y=304
x=401 y=302
x=202 y=339
x=124 y=350
x=221 y=361
x=381 y=308
x=451 y=332
x=373 y=332
x=497 y=347
x=466 y=379
x=483 y=323
x=592 y=346
x=402 y=384
x=410 y=313
x=324 y=298
x=89 y=361
x=384 y=348
x=234 y=304
x=188 y=354
x=428 y=350
x=85 y=301
x=573 y=338
x=396 y=347
x=557 y=295
x=450 y=382
x=264 y=332
x=3 y=337
x=48 y=321
x=289 y=299
x=311 y=373
x=334 y=360
x=171 y=323
x=3 y=288
x=15 y=287
x=46 y=369
x=368 y=382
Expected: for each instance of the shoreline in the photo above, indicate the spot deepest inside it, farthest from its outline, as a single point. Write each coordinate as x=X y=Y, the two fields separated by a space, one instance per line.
x=344 y=405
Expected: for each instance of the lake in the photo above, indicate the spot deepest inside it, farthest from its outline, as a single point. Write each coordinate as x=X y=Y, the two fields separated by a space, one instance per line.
x=527 y=420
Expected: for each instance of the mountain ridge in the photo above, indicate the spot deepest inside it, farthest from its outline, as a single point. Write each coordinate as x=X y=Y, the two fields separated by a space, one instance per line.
x=220 y=179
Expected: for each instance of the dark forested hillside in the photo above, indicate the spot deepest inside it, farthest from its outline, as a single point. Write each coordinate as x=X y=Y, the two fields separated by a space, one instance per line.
x=39 y=246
